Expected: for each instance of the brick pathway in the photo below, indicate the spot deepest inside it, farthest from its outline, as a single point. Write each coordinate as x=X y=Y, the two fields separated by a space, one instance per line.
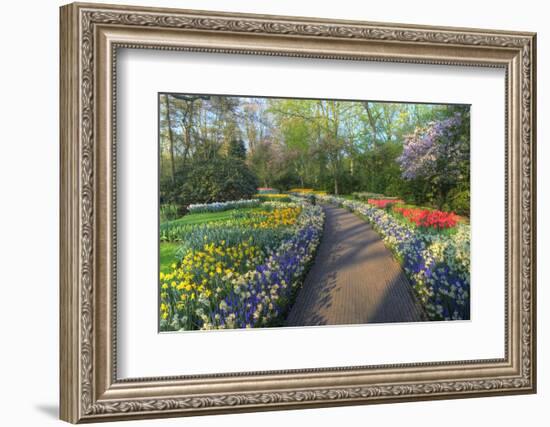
x=355 y=279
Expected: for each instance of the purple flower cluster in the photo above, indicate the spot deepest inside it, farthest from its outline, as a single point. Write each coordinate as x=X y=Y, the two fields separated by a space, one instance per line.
x=425 y=150
x=262 y=296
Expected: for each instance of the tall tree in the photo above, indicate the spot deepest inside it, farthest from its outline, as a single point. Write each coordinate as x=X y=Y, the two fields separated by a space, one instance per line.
x=170 y=134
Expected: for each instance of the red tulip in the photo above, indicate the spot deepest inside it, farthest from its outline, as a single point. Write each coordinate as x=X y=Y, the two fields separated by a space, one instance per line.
x=428 y=218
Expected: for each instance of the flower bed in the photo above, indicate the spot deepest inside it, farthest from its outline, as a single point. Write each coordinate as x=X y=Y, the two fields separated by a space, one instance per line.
x=437 y=264
x=383 y=203
x=266 y=197
x=272 y=215
x=301 y=190
x=222 y=206
x=267 y=190
x=428 y=218
x=233 y=277
x=366 y=195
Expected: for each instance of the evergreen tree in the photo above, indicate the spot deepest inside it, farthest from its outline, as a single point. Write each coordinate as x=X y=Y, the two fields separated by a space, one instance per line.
x=237 y=150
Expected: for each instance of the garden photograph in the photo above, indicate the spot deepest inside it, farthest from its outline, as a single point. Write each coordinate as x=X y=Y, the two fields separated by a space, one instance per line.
x=292 y=212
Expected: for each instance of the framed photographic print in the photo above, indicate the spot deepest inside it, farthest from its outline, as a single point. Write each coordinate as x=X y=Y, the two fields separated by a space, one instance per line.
x=266 y=212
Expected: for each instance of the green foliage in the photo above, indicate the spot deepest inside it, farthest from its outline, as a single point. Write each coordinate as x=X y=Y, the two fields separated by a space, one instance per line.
x=285 y=179
x=168 y=212
x=208 y=181
x=237 y=150
x=459 y=201
x=379 y=172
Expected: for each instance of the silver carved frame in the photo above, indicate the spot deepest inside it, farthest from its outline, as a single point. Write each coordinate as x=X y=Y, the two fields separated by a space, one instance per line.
x=90 y=36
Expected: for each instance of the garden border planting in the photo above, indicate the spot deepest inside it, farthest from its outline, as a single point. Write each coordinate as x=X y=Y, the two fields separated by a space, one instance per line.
x=438 y=265
x=261 y=295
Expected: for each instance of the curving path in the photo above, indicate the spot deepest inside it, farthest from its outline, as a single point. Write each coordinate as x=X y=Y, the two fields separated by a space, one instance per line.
x=355 y=279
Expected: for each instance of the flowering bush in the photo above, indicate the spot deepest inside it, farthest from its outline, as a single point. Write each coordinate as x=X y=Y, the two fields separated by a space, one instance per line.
x=435 y=149
x=428 y=218
x=437 y=265
x=222 y=206
x=436 y=158
x=226 y=282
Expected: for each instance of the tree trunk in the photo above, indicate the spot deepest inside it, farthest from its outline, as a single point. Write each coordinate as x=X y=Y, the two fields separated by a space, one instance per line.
x=189 y=121
x=372 y=122
x=185 y=142
x=170 y=137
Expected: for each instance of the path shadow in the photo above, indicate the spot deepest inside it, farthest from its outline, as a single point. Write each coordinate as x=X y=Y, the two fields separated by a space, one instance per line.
x=398 y=304
x=317 y=320
x=328 y=283
x=380 y=293
x=315 y=295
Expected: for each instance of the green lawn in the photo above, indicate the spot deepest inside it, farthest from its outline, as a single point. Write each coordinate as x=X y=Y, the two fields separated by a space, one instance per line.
x=167 y=253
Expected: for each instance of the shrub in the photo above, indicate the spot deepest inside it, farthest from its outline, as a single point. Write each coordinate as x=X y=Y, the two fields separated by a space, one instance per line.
x=459 y=201
x=207 y=181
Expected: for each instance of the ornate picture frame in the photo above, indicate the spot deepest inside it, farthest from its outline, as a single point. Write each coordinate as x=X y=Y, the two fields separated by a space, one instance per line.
x=90 y=37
